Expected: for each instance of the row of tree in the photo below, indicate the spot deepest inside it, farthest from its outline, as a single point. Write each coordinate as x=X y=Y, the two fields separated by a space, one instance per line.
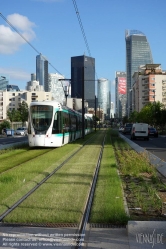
x=19 y=115
x=153 y=113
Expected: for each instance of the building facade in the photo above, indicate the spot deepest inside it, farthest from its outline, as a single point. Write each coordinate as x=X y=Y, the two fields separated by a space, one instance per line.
x=11 y=99
x=83 y=74
x=56 y=87
x=120 y=94
x=34 y=85
x=149 y=86
x=103 y=94
x=138 y=53
x=42 y=71
x=4 y=81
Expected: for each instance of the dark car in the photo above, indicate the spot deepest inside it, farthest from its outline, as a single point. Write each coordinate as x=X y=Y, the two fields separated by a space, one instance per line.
x=127 y=128
x=153 y=132
x=4 y=131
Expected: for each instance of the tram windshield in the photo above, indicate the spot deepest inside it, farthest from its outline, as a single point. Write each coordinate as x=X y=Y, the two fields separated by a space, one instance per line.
x=41 y=116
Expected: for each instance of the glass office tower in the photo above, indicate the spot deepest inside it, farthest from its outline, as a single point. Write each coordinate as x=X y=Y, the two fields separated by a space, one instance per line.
x=103 y=94
x=83 y=68
x=137 y=53
x=42 y=71
x=4 y=81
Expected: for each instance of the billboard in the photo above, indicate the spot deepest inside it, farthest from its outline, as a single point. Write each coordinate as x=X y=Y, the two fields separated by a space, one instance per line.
x=121 y=85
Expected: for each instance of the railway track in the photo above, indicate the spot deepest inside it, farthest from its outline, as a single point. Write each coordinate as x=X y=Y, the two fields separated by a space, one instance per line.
x=85 y=217
x=81 y=227
x=18 y=202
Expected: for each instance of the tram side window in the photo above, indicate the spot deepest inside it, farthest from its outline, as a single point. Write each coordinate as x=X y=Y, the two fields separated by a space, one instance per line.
x=66 y=124
x=77 y=122
x=80 y=123
x=57 y=124
x=73 y=122
x=85 y=123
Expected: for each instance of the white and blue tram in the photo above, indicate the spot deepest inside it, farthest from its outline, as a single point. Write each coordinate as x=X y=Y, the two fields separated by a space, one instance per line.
x=53 y=125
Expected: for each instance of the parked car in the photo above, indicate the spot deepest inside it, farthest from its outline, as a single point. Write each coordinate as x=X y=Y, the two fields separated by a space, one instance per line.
x=127 y=128
x=4 y=131
x=153 y=132
x=140 y=130
x=121 y=128
x=21 y=131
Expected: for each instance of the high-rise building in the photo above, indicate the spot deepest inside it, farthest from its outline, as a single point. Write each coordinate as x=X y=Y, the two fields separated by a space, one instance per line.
x=4 y=81
x=103 y=94
x=138 y=53
x=42 y=71
x=149 y=86
x=120 y=94
x=83 y=71
x=56 y=87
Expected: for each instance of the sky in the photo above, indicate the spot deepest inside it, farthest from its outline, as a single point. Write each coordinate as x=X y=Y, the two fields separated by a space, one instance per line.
x=51 y=27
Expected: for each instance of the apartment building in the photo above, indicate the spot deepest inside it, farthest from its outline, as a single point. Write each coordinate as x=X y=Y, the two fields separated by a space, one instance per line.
x=11 y=99
x=149 y=85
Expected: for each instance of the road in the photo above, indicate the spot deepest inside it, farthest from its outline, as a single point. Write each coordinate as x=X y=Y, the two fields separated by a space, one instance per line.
x=156 y=146
x=12 y=140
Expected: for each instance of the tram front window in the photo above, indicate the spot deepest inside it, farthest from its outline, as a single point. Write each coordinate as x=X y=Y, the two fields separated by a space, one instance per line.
x=41 y=116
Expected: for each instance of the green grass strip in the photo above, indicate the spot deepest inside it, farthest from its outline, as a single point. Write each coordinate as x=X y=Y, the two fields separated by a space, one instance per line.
x=19 y=156
x=62 y=198
x=108 y=206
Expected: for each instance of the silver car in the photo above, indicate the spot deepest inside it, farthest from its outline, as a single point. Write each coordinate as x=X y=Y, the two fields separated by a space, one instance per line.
x=21 y=131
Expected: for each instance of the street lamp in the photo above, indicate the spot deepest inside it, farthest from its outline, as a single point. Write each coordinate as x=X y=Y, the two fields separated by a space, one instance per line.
x=66 y=91
x=129 y=100
x=65 y=88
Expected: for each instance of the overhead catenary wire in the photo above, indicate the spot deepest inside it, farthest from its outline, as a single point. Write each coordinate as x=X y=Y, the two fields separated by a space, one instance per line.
x=11 y=25
x=82 y=30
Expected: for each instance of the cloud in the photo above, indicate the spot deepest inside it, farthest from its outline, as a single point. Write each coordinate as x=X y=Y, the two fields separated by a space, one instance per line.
x=15 y=74
x=10 y=39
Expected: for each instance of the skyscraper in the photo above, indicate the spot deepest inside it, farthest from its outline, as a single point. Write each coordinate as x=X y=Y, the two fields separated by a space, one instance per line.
x=137 y=53
x=56 y=87
x=120 y=94
x=4 y=81
x=103 y=94
x=83 y=69
x=42 y=71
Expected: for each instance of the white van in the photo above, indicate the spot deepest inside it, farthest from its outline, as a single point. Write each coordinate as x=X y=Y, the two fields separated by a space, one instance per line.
x=140 y=130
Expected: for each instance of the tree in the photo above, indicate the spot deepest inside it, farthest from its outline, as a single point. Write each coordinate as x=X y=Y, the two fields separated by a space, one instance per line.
x=13 y=115
x=23 y=110
x=4 y=124
x=134 y=117
x=125 y=120
x=95 y=119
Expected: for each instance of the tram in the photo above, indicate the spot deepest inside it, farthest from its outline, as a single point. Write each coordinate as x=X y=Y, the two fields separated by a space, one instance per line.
x=51 y=124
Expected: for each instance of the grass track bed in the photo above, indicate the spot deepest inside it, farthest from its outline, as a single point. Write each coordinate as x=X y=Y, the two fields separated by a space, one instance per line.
x=18 y=181
x=108 y=206
x=62 y=198
x=18 y=156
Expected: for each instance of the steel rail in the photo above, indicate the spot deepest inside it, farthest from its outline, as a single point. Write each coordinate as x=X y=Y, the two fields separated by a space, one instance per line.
x=40 y=183
x=85 y=217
